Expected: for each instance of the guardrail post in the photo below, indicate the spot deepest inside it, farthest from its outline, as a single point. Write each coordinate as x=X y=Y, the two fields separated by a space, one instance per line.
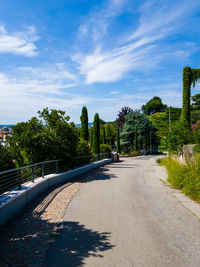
x=20 y=180
x=32 y=168
x=42 y=170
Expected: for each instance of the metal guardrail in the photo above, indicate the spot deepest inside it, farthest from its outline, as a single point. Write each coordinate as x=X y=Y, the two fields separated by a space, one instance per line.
x=16 y=177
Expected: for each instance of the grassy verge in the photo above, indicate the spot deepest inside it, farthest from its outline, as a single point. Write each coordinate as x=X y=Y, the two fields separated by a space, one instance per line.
x=184 y=177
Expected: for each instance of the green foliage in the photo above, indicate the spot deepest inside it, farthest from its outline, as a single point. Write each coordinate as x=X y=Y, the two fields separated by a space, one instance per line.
x=104 y=135
x=187 y=81
x=195 y=116
x=110 y=134
x=185 y=177
x=50 y=138
x=121 y=116
x=83 y=148
x=84 y=124
x=154 y=105
x=136 y=139
x=6 y=160
x=180 y=135
x=96 y=135
x=118 y=141
x=105 y=148
x=161 y=121
x=144 y=128
x=195 y=102
x=91 y=136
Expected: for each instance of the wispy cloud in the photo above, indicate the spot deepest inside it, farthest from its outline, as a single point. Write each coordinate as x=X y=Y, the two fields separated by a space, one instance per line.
x=20 y=43
x=142 y=49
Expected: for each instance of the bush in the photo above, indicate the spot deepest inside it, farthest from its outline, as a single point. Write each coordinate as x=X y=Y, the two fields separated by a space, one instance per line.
x=83 y=148
x=134 y=153
x=105 y=148
x=185 y=177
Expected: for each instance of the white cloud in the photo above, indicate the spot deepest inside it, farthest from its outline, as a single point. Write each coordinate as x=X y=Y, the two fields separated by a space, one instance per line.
x=20 y=43
x=22 y=98
x=143 y=49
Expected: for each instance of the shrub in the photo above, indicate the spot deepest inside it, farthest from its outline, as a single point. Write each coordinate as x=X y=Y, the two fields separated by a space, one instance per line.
x=105 y=148
x=184 y=176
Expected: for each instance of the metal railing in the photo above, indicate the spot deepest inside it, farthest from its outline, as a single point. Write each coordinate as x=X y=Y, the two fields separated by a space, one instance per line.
x=16 y=177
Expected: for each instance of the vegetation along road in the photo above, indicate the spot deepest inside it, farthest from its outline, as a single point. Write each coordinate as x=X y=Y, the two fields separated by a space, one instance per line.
x=127 y=217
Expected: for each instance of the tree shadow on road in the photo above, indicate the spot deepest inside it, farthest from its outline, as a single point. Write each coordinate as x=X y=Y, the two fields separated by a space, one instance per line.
x=76 y=243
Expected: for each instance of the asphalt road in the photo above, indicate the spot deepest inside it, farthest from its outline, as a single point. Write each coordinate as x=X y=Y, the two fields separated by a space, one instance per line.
x=125 y=216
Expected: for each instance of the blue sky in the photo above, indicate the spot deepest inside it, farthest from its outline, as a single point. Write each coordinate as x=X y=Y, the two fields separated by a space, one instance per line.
x=102 y=54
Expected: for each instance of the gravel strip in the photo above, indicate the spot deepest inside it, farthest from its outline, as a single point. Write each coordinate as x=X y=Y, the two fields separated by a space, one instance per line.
x=25 y=240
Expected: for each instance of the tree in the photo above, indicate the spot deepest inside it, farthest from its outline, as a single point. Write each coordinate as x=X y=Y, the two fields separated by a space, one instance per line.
x=136 y=138
x=195 y=102
x=190 y=76
x=84 y=124
x=187 y=80
x=6 y=159
x=127 y=135
x=51 y=137
x=121 y=116
x=118 y=141
x=96 y=134
x=110 y=134
x=181 y=134
x=154 y=105
x=104 y=135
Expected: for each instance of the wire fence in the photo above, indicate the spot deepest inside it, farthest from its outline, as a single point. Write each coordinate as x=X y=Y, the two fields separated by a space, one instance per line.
x=16 y=177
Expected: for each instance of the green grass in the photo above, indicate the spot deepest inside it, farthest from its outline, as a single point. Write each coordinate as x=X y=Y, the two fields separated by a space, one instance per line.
x=184 y=176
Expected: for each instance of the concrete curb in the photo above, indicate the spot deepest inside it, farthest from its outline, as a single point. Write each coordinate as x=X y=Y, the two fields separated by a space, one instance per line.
x=15 y=200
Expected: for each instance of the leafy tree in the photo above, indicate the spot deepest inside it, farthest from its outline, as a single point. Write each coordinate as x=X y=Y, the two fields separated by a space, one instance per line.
x=154 y=105
x=96 y=135
x=6 y=159
x=144 y=126
x=136 y=138
x=195 y=102
x=121 y=116
x=84 y=124
x=118 y=141
x=51 y=137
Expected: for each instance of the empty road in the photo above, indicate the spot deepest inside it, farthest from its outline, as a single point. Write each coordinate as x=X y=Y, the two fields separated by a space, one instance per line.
x=125 y=216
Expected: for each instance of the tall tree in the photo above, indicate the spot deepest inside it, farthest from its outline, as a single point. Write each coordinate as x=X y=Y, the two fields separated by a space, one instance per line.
x=121 y=116
x=104 y=135
x=96 y=134
x=136 y=138
x=118 y=141
x=154 y=105
x=84 y=124
x=187 y=81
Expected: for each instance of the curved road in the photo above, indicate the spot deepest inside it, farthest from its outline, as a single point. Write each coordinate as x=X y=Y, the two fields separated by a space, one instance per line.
x=124 y=216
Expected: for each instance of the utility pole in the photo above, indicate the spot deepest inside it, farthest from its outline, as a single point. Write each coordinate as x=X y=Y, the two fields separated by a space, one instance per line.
x=170 y=120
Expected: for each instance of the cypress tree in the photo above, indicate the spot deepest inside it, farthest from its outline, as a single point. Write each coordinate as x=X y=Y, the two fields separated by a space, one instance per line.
x=84 y=124
x=91 y=137
x=187 y=81
x=96 y=134
x=118 y=141
x=104 y=135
